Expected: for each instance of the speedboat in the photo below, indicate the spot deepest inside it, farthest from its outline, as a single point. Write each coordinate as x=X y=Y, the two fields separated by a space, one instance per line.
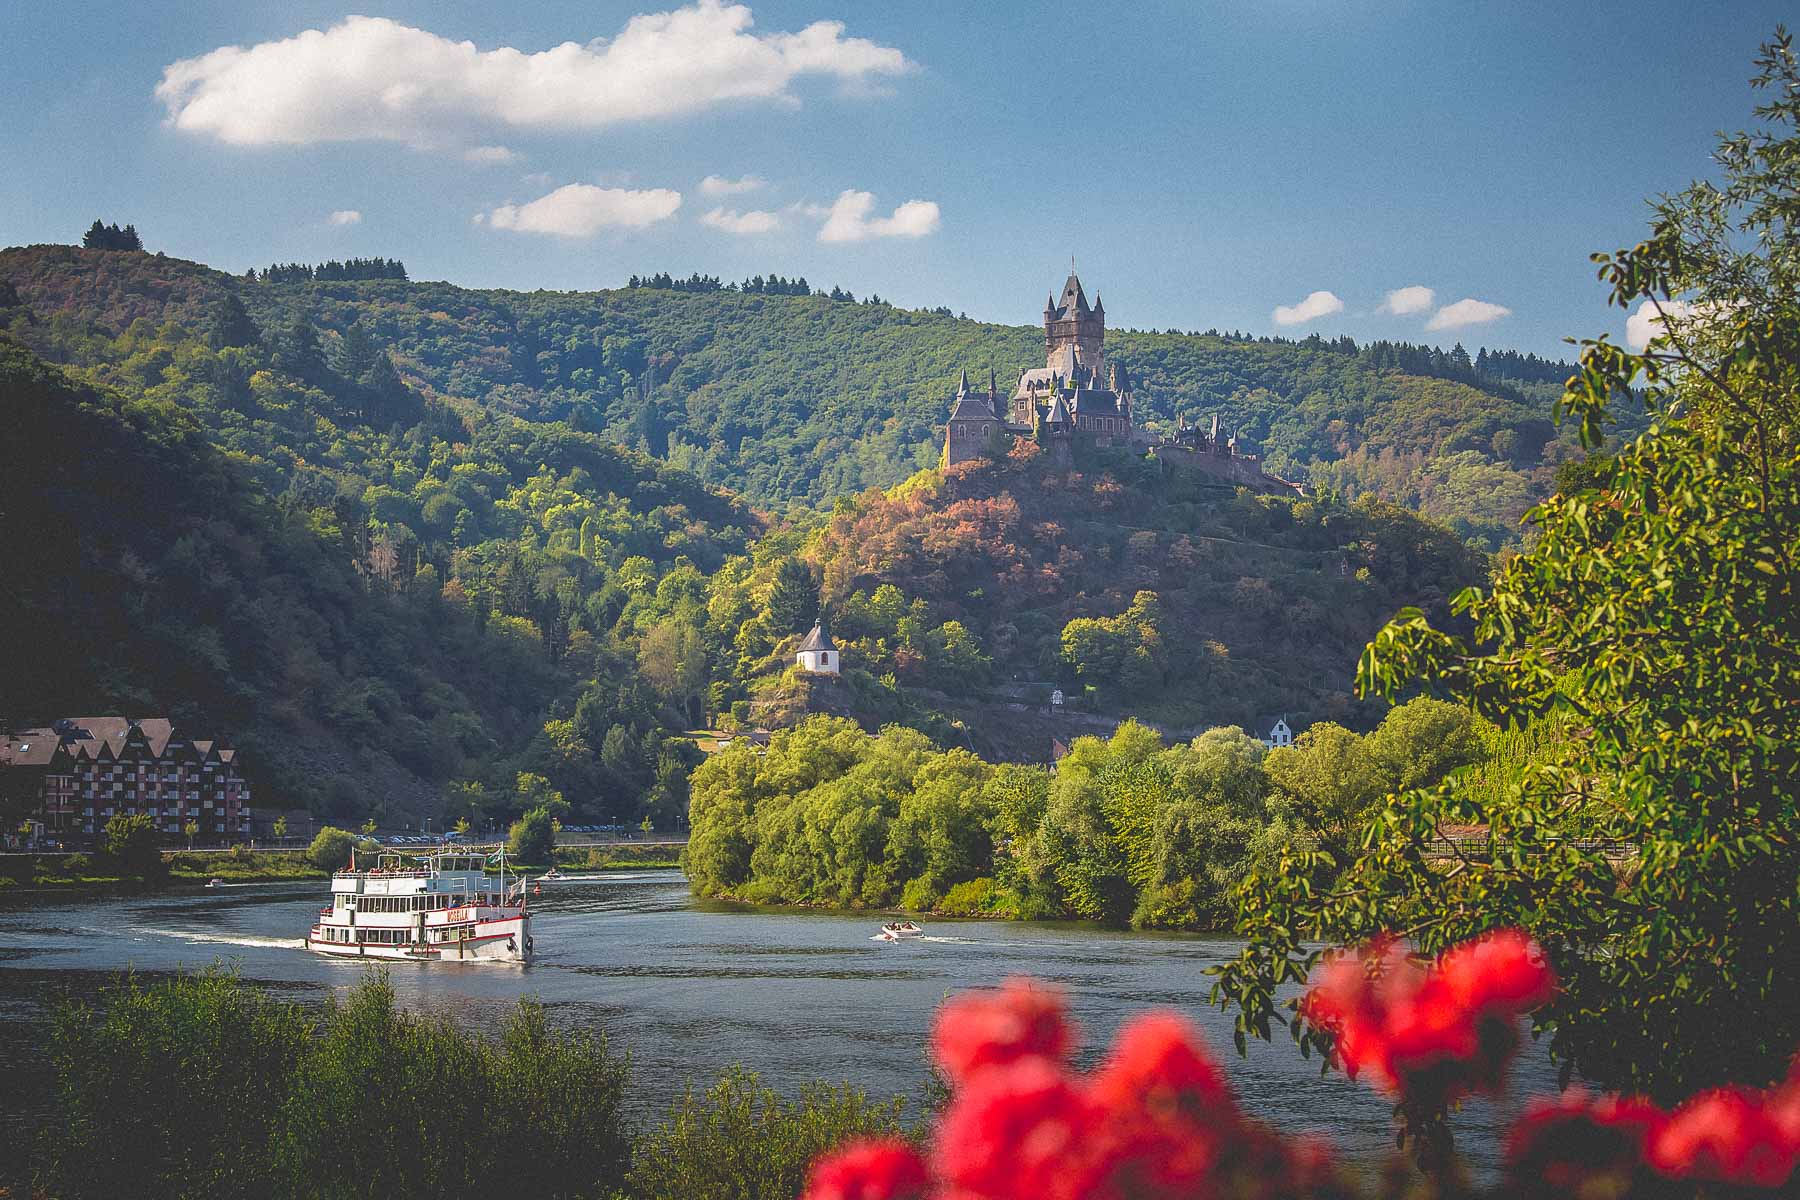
x=895 y=931
x=552 y=875
x=215 y=882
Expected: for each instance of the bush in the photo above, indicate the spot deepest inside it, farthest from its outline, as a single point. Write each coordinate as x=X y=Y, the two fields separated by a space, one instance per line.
x=532 y=837
x=331 y=848
x=919 y=896
x=170 y=1090
x=741 y=1141
x=77 y=866
x=975 y=898
x=393 y=1104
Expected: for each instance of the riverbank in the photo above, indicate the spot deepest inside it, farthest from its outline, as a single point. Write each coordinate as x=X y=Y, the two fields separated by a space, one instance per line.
x=618 y=858
x=181 y=868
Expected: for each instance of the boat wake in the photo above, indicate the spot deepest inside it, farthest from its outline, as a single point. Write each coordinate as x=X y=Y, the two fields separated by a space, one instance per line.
x=927 y=937
x=223 y=939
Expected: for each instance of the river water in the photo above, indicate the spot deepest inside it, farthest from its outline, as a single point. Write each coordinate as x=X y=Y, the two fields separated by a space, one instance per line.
x=690 y=987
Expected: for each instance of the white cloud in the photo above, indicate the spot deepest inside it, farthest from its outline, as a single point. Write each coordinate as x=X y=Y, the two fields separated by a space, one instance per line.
x=489 y=156
x=580 y=210
x=345 y=216
x=718 y=185
x=848 y=220
x=1318 y=304
x=1644 y=324
x=732 y=221
x=1404 y=302
x=370 y=78
x=1467 y=312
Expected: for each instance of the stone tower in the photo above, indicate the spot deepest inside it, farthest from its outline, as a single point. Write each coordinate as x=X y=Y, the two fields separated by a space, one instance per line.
x=1074 y=334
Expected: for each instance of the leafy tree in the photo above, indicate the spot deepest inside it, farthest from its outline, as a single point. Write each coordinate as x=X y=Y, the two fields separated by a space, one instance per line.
x=280 y=828
x=672 y=659
x=532 y=792
x=1654 y=853
x=532 y=837
x=131 y=842
x=1422 y=741
x=330 y=849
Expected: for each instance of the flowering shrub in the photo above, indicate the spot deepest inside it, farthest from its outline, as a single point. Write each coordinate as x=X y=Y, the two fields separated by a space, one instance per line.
x=1157 y=1120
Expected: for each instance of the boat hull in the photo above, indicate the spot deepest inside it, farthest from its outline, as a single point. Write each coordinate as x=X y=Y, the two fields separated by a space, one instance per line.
x=501 y=940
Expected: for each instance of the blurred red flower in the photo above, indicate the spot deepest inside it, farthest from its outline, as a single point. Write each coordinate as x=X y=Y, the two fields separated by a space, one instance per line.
x=1020 y=1019
x=1580 y=1145
x=1726 y=1135
x=868 y=1169
x=1022 y=1131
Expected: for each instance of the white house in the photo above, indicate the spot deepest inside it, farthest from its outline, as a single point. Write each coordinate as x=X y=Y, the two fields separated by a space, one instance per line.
x=1279 y=734
x=818 y=653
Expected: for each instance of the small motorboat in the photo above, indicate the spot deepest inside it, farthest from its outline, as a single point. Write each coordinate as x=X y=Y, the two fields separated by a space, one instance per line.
x=895 y=931
x=215 y=882
x=552 y=875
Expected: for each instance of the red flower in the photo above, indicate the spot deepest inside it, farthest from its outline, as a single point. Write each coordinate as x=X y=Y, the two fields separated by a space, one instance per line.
x=1724 y=1135
x=1160 y=1064
x=1580 y=1145
x=1436 y=1035
x=1022 y=1019
x=1503 y=972
x=1168 y=1107
x=1025 y=1131
x=868 y=1169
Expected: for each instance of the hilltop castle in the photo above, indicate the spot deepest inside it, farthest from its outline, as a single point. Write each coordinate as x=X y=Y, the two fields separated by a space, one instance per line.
x=1065 y=400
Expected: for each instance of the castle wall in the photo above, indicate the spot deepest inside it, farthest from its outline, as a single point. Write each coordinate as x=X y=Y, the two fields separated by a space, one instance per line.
x=1237 y=472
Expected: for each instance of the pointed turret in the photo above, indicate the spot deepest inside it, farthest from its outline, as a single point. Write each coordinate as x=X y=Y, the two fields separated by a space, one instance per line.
x=962 y=385
x=1074 y=301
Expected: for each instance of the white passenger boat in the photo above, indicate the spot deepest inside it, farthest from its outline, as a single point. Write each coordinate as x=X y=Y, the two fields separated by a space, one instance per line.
x=895 y=931
x=443 y=908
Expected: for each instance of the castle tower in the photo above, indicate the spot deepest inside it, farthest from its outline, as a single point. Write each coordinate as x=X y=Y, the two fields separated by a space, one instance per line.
x=1071 y=323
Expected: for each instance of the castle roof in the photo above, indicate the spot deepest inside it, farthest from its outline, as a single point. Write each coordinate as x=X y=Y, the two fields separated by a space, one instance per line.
x=1059 y=412
x=1094 y=402
x=1074 y=300
x=972 y=408
x=817 y=639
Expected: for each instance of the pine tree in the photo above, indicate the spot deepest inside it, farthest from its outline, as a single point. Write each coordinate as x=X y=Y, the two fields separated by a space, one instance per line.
x=231 y=325
x=794 y=600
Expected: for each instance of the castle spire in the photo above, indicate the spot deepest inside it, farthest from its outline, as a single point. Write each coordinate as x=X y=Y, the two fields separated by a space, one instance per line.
x=962 y=385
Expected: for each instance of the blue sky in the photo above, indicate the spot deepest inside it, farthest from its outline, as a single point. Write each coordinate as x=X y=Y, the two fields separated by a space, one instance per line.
x=1208 y=164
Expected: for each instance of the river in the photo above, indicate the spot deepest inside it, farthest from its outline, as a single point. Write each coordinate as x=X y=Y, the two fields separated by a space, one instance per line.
x=690 y=987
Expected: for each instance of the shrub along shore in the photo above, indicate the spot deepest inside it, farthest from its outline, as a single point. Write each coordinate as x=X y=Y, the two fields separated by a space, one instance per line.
x=362 y=1099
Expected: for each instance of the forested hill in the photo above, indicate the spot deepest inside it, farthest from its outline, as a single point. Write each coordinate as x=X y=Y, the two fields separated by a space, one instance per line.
x=1147 y=590
x=805 y=398
x=392 y=608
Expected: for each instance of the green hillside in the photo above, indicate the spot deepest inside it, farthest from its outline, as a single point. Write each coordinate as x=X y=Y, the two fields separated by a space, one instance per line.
x=789 y=399
x=1134 y=587
x=389 y=622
